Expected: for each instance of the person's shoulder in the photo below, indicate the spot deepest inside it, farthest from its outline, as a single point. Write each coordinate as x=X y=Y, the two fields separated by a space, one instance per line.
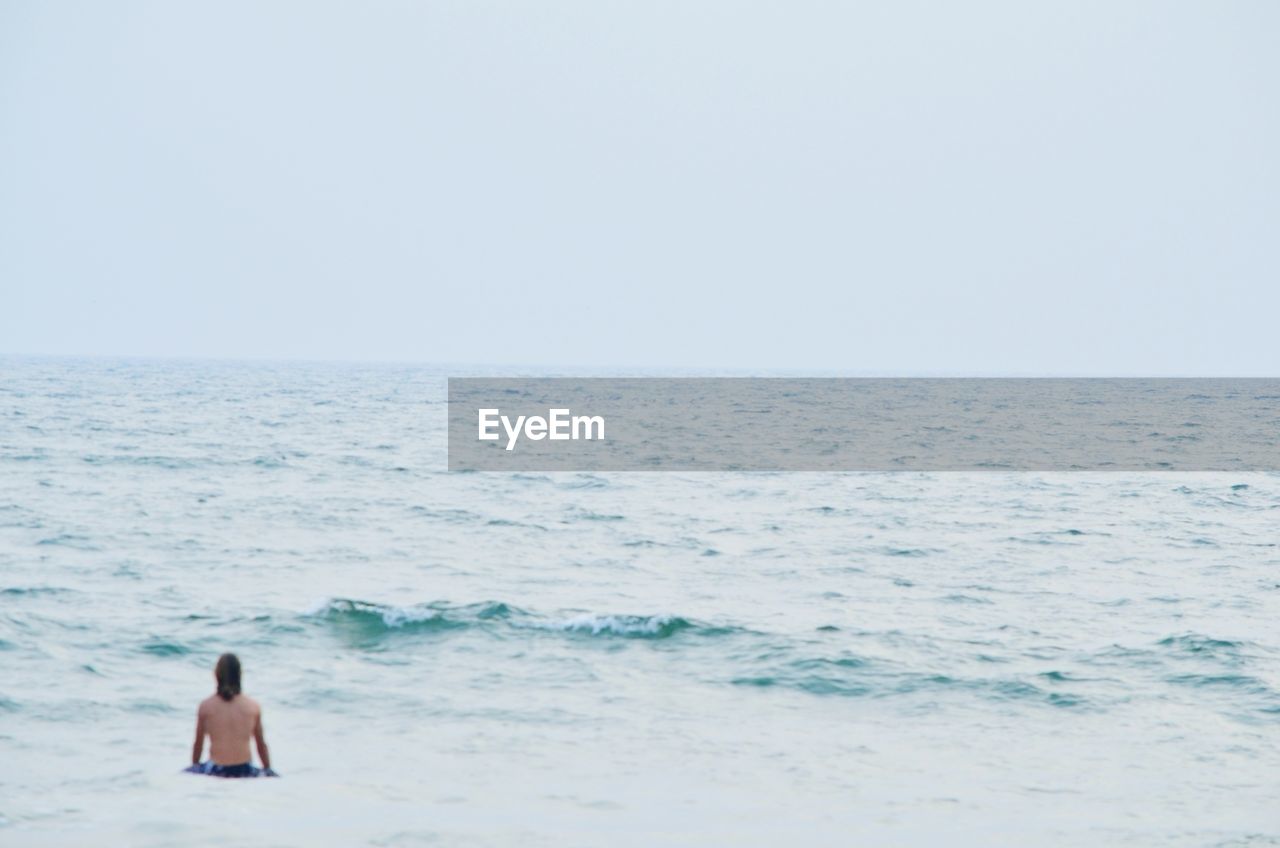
x=250 y=703
x=207 y=704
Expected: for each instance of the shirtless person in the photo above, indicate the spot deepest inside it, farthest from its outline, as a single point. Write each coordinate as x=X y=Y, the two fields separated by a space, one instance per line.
x=229 y=718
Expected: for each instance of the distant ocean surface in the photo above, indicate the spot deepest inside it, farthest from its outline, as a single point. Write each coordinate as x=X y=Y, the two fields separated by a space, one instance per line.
x=606 y=659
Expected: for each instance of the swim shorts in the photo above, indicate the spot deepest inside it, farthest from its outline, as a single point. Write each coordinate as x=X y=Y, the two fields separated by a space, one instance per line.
x=240 y=770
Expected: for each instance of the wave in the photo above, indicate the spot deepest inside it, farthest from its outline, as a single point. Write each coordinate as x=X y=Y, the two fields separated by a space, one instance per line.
x=70 y=540
x=172 y=463
x=36 y=590
x=365 y=618
x=853 y=677
x=433 y=616
x=1195 y=643
x=629 y=626
x=1238 y=681
x=164 y=648
x=819 y=664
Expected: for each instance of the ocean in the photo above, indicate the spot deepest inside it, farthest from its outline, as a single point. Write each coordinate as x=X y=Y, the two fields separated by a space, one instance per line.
x=606 y=658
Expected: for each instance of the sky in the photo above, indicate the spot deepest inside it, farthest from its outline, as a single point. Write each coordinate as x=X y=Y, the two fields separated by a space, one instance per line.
x=1046 y=188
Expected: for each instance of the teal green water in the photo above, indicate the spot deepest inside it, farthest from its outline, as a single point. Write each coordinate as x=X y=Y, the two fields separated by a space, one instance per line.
x=570 y=659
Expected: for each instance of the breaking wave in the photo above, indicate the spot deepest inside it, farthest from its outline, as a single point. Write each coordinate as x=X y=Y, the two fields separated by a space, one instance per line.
x=368 y=619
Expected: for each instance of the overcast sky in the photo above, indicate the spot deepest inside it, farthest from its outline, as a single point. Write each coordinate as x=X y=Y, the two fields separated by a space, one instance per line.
x=901 y=187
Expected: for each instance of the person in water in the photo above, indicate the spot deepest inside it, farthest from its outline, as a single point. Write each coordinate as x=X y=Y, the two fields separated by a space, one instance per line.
x=229 y=718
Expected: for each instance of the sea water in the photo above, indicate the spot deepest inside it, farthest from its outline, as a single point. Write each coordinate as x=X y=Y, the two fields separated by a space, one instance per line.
x=605 y=659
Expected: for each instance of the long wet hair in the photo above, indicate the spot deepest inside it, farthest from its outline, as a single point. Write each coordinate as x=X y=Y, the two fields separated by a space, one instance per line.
x=227 y=672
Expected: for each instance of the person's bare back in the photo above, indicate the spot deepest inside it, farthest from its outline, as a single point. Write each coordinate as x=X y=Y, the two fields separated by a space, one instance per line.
x=230 y=725
x=230 y=719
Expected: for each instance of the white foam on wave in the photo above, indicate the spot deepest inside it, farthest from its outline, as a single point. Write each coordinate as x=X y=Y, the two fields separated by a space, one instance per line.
x=392 y=616
x=620 y=625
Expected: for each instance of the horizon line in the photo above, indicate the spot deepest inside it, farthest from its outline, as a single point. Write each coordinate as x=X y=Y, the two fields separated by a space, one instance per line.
x=658 y=370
